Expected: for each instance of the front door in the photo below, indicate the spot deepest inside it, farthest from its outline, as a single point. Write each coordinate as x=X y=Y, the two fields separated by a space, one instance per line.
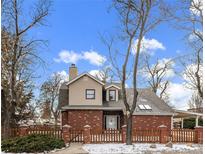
x=111 y=122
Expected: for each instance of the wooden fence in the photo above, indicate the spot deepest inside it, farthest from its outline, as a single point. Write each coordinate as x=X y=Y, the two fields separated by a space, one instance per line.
x=13 y=132
x=36 y=129
x=149 y=136
x=182 y=135
x=53 y=132
x=113 y=135
x=107 y=136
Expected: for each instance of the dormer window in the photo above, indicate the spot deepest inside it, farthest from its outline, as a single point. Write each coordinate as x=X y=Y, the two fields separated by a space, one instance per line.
x=112 y=95
x=112 y=92
x=90 y=93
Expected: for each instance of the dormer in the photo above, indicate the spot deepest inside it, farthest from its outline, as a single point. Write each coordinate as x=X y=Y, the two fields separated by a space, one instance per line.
x=112 y=92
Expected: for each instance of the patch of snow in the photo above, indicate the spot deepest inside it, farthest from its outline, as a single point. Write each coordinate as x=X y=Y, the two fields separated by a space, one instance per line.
x=139 y=148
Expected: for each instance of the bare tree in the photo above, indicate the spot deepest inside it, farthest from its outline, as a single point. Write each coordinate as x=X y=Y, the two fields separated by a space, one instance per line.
x=193 y=74
x=50 y=93
x=104 y=74
x=157 y=75
x=136 y=21
x=188 y=16
x=19 y=57
x=195 y=102
x=46 y=110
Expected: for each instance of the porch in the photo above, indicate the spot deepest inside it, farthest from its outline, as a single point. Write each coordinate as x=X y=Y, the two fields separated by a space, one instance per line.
x=181 y=115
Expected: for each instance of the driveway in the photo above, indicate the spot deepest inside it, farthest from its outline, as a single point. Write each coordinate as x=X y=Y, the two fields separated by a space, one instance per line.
x=74 y=148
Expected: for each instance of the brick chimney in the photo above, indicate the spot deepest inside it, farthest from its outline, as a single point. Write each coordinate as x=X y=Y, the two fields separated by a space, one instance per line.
x=73 y=72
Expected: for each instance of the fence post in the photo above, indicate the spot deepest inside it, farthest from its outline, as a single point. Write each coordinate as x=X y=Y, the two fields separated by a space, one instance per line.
x=124 y=129
x=66 y=133
x=23 y=130
x=199 y=134
x=163 y=133
x=86 y=134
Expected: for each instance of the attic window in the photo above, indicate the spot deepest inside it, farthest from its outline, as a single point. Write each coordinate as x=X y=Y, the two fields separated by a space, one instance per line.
x=144 y=107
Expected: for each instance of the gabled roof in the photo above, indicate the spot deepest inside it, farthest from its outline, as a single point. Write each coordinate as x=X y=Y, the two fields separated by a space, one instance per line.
x=145 y=96
x=118 y=84
x=83 y=74
x=112 y=85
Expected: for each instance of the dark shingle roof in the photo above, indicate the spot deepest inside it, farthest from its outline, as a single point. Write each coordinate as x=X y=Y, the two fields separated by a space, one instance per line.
x=145 y=97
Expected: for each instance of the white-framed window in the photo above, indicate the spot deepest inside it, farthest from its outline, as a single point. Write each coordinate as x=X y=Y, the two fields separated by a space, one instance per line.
x=112 y=95
x=90 y=93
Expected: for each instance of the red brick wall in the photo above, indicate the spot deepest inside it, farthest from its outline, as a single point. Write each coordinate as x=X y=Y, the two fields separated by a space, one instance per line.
x=150 y=121
x=79 y=118
x=64 y=116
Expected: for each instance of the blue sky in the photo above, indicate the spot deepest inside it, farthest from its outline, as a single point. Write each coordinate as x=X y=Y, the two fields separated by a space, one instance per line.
x=75 y=26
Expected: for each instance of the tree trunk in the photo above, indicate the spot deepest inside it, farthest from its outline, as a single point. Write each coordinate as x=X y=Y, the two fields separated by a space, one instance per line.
x=56 y=120
x=6 y=126
x=129 y=130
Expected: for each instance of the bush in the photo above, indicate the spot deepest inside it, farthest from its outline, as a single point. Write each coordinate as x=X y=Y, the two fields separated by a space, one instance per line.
x=190 y=123
x=32 y=143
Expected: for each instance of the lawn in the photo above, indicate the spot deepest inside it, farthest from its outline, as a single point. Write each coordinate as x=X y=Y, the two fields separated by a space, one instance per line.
x=140 y=148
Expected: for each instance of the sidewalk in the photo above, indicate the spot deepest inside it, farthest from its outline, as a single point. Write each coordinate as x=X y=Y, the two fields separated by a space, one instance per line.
x=74 y=148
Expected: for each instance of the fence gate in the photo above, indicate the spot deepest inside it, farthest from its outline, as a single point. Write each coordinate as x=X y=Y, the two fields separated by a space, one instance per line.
x=76 y=135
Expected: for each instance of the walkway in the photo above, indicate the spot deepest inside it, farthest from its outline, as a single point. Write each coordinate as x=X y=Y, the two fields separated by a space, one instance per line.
x=74 y=148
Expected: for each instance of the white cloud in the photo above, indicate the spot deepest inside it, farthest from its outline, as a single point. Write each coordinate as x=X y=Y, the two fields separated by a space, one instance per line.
x=96 y=73
x=68 y=57
x=100 y=75
x=63 y=75
x=72 y=57
x=179 y=95
x=94 y=58
x=148 y=46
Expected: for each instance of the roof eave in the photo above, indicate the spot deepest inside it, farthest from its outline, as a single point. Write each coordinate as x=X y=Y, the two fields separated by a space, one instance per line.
x=112 y=85
x=78 y=77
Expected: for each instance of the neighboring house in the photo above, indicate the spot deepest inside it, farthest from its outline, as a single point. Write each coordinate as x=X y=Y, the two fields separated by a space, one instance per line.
x=85 y=100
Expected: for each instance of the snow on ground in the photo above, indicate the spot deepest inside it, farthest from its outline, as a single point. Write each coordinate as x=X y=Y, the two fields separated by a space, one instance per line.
x=139 y=148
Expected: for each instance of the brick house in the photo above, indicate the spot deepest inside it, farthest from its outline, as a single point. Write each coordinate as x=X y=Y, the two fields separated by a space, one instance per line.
x=85 y=100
